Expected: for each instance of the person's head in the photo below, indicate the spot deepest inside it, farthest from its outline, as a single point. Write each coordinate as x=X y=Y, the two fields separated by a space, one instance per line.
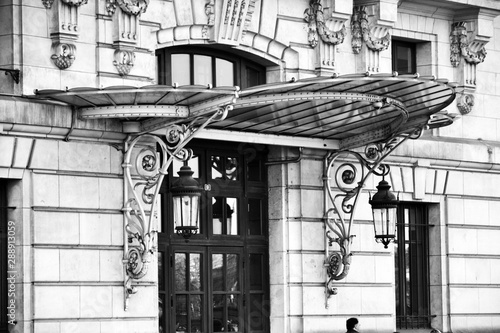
x=351 y=323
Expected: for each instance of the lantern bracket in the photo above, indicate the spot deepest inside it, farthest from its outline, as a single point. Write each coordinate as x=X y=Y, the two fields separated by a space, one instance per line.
x=345 y=175
x=146 y=160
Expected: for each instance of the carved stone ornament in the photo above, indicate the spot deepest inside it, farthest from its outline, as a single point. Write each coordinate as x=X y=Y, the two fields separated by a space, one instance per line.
x=316 y=26
x=465 y=103
x=235 y=17
x=47 y=3
x=361 y=32
x=111 y=7
x=133 y=7
x=460 y=46
x=124 y=61
x=210 y=12
x=63 y=54
x=75 y=3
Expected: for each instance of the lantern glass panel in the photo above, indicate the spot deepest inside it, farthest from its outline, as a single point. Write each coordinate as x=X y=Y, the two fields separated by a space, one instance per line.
x=186 y=211
x=384 y=221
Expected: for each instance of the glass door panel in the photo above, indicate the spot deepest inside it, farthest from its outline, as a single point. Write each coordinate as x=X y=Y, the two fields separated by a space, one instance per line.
x=225 y=216
x=161 y=292
x=218 y=281
x=259 y=306
x=224 y=167
x=227 y=300
x=189 y=295
x=255 y=217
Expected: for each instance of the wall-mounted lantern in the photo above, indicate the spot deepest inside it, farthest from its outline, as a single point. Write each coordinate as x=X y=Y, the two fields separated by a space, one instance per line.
x=186 y=194
x=345 y=175
x=148 y=157
x=384 y=206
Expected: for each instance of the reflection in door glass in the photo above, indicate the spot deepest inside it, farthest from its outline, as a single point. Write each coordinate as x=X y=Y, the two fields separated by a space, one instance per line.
x=232 y=272
x=225 y=216
x=196 y=307
x=218 y=313
x=224 y=167
x=188 y=293
x=181 y=318
x=195 y=272
x=180 y=271
x=233 y=313
x=217 y=272
x=226 y=285
x=226 y=313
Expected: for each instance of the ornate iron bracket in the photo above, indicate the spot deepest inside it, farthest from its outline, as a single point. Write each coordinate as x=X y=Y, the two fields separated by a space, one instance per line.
x=14 y=73
x=141 y=190
x=350 y=171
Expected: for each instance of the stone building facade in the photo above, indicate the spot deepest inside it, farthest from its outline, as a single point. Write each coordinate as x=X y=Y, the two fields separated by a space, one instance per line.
x=67 y=119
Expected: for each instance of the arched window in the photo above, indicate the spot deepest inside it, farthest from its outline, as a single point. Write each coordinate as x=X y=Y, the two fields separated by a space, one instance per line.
x=203 y=66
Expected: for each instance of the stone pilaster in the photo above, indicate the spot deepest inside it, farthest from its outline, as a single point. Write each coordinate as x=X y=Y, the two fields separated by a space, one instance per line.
x=64 y=30
x=371 y=23
x=470 y=32
x=326 y=30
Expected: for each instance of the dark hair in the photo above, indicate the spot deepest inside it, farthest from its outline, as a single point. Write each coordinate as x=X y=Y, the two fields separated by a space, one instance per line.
x=351 y=322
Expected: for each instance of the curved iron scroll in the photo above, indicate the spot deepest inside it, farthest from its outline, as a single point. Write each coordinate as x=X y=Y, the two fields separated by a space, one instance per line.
x=350 y=172
x=141 y=190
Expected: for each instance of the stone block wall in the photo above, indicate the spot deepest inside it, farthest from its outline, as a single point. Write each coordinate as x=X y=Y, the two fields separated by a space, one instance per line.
x=297 y=255
x=464 y=274
x=70 y=238
x=69 y=194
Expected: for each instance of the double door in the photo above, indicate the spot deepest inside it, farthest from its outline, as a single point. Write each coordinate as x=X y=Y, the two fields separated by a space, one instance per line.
x=213 y=289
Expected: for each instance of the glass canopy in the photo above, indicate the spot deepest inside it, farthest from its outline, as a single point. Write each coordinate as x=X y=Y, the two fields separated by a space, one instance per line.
x=351 y=109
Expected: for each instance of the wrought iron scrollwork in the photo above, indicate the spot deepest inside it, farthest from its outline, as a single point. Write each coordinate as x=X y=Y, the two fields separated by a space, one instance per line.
x=345 y=176
x=142 y=187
